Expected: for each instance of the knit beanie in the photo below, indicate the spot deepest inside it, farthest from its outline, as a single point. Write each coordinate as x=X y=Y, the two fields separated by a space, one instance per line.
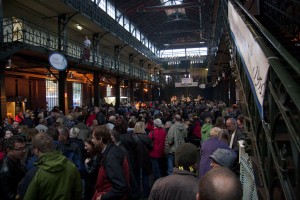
x=186 y=155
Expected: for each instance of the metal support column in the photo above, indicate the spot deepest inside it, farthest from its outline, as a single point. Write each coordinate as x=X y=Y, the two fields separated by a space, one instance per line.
x=117 y=50
x=131 y=91
x=232 y=90
x=62 y=32
x=142 y=62
x=96 y=89
x=3 y=103
x=142 y=97
x=117 y=91
x=1 y=24
x=61 y=90
x=130 y=59
x=95 y=50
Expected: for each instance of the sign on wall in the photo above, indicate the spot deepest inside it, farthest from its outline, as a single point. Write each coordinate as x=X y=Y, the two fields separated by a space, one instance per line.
x=254 y=60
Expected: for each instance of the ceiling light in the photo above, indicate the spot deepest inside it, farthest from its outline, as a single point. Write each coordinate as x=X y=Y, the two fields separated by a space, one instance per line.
x=206 y=69
x=79 y=27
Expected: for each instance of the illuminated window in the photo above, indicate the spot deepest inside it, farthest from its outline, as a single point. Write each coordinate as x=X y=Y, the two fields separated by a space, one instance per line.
x=109 y=91
x=51 y=93
x=77 y=94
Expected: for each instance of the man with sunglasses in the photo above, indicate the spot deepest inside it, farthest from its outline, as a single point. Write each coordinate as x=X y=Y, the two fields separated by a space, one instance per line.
x=11 y=169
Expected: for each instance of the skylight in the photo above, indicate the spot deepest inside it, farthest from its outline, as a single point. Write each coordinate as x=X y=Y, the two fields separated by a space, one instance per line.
x=172 y=11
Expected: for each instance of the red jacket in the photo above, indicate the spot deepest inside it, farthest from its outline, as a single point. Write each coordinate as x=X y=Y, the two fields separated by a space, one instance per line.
x=197 y=129
x=113 y=176
x=158 y=136
x=90 y=119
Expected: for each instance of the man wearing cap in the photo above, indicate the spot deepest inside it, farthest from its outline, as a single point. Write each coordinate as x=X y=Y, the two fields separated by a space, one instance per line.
x=223 y=157
x=208 y=148
x=182 y=184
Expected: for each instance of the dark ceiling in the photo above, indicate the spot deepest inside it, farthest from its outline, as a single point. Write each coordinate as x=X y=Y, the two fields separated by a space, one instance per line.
x=171 y=26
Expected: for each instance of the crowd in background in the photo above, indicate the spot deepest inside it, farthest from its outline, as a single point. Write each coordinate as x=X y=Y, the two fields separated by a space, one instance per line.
x=131 y=152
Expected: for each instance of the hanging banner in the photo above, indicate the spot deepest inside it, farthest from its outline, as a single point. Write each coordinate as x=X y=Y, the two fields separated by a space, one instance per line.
x=254 y=60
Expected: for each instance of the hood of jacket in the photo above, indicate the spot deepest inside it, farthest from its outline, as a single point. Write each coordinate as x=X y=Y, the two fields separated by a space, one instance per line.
x=178 y=125
x=52 y=162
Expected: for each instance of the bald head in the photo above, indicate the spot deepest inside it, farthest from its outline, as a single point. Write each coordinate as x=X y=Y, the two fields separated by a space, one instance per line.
x=220 y=183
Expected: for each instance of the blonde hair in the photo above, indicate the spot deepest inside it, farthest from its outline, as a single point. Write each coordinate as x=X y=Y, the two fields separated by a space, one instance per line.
x=216 y=132
x=139 y=127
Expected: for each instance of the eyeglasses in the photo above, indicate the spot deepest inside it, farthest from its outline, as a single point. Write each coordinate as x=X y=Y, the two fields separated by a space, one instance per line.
x=207 y=122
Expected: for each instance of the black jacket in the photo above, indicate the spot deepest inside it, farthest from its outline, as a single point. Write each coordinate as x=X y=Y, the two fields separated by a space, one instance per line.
x=11 y=173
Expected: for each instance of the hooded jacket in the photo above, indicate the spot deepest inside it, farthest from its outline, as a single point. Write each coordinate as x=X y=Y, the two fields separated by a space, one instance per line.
x=54 y=177
x=179 y=185
x=176 y=135
x=205 y=132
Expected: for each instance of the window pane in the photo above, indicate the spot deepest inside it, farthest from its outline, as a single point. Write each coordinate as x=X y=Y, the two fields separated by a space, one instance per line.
x=77 y=91
x=51 y=93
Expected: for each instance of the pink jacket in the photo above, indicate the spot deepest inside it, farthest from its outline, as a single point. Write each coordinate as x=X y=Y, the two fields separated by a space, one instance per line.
x=158 y=136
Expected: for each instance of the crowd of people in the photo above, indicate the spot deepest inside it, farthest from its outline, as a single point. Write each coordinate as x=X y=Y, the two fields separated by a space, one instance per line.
x=181 y=150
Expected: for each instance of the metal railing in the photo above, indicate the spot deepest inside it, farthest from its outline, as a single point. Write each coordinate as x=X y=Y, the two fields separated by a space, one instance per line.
x=16 y=30
x=275 y=137
x=90 y=9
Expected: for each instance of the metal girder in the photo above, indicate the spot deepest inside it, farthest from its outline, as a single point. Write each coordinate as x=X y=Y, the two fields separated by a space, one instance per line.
x=177 y=31
x=165 y=7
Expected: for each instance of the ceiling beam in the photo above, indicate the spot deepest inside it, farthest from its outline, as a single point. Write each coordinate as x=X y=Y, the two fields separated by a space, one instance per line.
x=166 y=7
x=176 y=31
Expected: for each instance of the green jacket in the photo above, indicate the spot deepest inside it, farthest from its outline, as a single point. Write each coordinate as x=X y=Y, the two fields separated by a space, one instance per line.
x=205 y=132
x=55 y=178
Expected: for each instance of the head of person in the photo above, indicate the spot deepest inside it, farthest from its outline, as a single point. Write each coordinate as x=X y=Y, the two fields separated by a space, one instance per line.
x=74 y=132
x=208 y=120
x=186 y=157
x=168 y=124
x=231 y=124
x=121 y=126
x=220 y=122
x=15 y=147
x=53 y=132
x=8 y=134
x=89 y=146
x=96 y=109
x=158 y=123
x=94 y=122
x=43 y=121
x=132 y=121
x=216 y=132
x=63 y=134
x=234 y=106
x=101 y=137
x=139 y=127
x=42 y=143
x=220 y=184
x=15 y=125
x=112 y=119
x=222 y=157
x=177 y=118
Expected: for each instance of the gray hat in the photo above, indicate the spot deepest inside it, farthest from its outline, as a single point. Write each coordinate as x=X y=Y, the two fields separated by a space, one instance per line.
x=186 y=155
x=224 y=157
x=157 y=122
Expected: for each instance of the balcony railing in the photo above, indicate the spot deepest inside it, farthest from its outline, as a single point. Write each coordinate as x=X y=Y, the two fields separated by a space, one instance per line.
x=17 y=30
